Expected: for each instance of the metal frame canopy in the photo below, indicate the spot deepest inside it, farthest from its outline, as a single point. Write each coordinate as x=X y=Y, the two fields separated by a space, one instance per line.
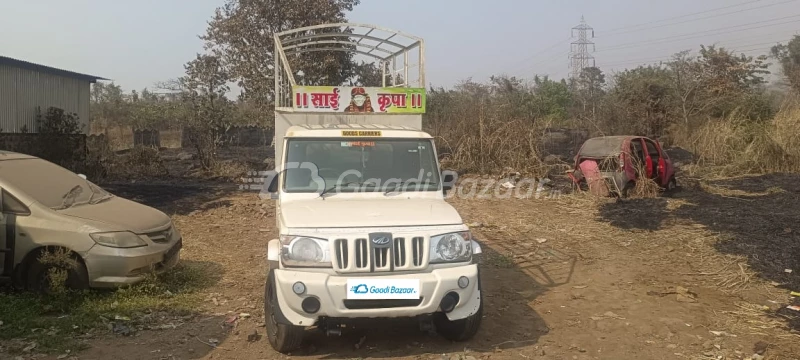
x=392 y=50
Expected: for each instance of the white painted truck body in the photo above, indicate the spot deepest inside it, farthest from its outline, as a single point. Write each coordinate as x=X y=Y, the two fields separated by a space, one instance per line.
x=341 y=222
x=350 y=247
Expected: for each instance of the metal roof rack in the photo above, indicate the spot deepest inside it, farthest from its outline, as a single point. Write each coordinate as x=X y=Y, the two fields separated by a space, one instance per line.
x=393 y=51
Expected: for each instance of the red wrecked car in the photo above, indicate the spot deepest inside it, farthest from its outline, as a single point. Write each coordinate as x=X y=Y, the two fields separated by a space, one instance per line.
x=614 y=163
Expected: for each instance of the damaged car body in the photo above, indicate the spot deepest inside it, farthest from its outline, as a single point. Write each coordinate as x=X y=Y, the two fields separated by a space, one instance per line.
x=612 y=165
x=107 y=241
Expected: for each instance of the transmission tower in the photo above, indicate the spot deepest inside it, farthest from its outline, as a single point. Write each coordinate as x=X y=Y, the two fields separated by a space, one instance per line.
x=579 y=56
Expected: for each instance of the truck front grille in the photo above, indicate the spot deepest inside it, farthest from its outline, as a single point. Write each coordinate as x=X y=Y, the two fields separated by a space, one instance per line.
x=357 y=255
x=381 y=304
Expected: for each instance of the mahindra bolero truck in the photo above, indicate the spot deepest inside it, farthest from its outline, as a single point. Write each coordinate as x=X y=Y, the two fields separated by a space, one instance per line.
x=364 y=228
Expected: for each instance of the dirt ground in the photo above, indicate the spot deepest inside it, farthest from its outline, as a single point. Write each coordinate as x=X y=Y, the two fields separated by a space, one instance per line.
x=698 y=275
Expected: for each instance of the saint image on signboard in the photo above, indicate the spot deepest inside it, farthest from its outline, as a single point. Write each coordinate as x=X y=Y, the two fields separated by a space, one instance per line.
x=359 y=101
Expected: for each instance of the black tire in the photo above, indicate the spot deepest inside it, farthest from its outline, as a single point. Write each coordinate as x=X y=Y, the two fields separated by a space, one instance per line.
x=583 y=185
x=283 y=338
x=463 y=329
x=37 y=274
x=672 y=185
x=626 y=190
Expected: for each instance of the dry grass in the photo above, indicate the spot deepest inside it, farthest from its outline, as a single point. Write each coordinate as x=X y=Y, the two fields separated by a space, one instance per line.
x=505 y=145
x=140 y=162
x=645 y=189
x=753 y=319
x=736 y=145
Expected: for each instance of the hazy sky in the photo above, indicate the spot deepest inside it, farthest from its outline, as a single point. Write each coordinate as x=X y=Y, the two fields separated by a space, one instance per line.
x=137 y=43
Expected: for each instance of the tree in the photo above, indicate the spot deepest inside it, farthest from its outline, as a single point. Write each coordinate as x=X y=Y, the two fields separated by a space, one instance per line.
x=205 y=110
x=108 y=105
x=735 y=82
x=689 y=89
x=643 y=102
x=789 y=58
x=588 y=91
x=241 y=35
x=368 y=74
x=551 y=98
x=724 y=71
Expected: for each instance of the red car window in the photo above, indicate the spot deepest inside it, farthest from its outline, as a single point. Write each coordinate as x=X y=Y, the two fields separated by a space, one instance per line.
x=651 y=147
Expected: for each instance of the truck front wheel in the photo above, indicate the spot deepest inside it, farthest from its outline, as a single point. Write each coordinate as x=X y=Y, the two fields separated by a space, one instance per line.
x=282 y=337
x=463 y=329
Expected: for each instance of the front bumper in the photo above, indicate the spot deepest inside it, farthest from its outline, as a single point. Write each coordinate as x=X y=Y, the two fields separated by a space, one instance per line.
x=331 y=290
x=112 y=267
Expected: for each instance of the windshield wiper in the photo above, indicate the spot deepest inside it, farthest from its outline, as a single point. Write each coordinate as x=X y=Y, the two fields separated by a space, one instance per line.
x=69 y=197
x=337 y=186
x=100 y=199
x=395 y=188
x=93 y=188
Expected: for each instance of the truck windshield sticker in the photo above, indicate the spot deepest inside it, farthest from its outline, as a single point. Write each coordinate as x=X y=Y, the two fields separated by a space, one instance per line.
x=358 y=143
x=372 y=133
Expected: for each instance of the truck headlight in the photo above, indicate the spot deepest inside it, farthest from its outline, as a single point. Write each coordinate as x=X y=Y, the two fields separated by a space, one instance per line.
x=451 y=247
x=305 y=251
x=118 y=239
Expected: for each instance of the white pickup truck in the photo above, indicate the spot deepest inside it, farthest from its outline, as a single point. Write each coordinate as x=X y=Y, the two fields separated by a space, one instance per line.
x=354 y=245
x=364 y=228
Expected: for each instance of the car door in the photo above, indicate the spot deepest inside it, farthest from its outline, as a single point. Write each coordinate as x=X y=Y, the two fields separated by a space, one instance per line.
x=4 y=248
x=638 y=158
x=6 y=239
x=655 y=163
x=10 y=209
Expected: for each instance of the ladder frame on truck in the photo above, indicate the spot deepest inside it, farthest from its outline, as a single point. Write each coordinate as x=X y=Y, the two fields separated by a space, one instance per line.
x=392 y=50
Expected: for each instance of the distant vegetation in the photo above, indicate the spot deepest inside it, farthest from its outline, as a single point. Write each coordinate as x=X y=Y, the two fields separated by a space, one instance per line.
x=715 y=102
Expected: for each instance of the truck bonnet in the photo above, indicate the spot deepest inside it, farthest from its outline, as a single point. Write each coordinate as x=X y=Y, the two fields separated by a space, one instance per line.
x=338 y=213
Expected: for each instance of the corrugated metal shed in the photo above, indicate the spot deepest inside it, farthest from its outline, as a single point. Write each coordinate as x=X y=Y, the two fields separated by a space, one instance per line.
x=24 y=86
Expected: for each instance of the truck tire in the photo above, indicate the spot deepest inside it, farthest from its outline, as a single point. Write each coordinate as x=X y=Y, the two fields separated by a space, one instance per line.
x=283 y=338
x=463 y=329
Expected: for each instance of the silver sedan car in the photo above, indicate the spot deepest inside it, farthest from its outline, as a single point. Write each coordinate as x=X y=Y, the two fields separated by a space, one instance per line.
x=108 y=241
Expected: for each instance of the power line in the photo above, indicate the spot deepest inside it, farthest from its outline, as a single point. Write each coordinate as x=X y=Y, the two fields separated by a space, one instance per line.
x=716 y=31
x=703 y=33
x=538 y=54
x=546 y=61
x=702 y=18
x=683 y=16
x=663 y=58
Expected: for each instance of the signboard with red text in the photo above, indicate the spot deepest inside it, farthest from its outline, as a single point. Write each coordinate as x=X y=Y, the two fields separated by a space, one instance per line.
x=346 y=99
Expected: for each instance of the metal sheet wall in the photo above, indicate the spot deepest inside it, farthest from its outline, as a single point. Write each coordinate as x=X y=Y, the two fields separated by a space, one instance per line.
x=22 y=90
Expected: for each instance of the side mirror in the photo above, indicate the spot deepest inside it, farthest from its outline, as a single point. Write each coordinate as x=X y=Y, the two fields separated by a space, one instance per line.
x=272 y=177
x=449 y=178
x=270 y=187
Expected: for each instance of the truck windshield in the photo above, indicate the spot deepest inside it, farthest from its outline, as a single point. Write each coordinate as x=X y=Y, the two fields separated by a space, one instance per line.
x=363 y=164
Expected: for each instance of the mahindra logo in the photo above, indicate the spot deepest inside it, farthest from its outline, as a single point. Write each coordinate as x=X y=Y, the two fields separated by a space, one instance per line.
x=381 y=239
